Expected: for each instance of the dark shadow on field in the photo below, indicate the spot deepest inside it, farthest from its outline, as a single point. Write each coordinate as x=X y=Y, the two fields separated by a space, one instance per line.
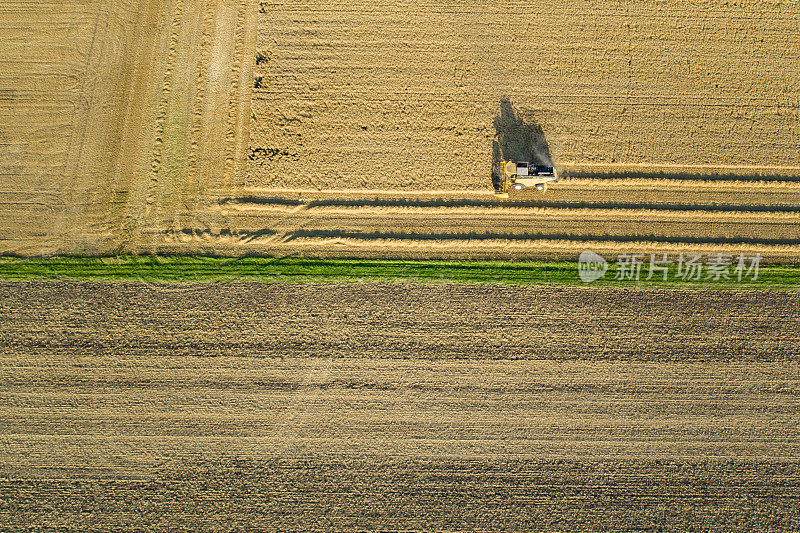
x=518 y=137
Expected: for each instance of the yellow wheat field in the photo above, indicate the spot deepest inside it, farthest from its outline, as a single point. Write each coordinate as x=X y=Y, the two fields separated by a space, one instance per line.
x=403 y=94
x=172 y=126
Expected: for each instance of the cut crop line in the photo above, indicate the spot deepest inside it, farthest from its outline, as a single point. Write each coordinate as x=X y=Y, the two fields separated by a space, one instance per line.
x=656 y=166
x=530 y=236
x=160 y=127
x=492 y=203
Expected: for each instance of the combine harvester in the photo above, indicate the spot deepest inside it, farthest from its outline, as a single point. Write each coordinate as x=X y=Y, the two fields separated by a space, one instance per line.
x=520 y=175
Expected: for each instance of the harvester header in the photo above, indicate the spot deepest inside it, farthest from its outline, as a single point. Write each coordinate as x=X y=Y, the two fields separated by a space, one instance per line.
x=520 y=175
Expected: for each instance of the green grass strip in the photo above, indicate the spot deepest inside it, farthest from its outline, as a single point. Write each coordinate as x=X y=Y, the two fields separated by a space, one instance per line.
x=222 y=269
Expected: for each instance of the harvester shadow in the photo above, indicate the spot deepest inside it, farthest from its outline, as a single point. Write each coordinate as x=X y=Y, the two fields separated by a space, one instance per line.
x=518 y=137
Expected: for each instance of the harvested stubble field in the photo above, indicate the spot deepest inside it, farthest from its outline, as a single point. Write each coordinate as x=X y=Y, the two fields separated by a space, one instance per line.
x=473 y=225
x=397 y=407
x=149 y=126
x=115 y=117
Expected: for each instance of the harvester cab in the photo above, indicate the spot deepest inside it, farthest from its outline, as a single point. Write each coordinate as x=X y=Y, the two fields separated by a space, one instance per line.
x=517 y=176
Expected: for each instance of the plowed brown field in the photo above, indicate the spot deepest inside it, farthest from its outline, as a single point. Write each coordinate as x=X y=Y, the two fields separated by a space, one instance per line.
x=397 y=407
